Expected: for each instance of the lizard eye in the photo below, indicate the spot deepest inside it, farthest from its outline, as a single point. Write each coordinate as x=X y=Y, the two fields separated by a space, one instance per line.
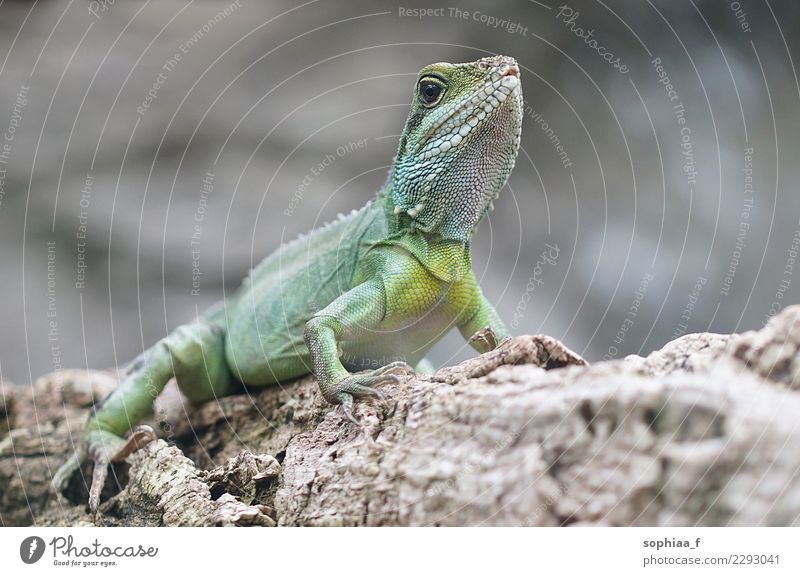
x=430 y=91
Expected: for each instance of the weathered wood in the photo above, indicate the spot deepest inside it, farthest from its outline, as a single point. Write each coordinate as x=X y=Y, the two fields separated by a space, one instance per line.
x=701 y=432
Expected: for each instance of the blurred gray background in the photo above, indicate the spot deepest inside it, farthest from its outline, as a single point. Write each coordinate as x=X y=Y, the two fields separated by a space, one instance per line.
x=634 y=214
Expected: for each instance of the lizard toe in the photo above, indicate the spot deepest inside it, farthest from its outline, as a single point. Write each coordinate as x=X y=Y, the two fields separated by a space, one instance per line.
x=103 y=448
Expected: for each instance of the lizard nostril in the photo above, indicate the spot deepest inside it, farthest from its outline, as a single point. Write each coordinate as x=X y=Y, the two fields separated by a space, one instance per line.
x=505 y=66
x=510 y=70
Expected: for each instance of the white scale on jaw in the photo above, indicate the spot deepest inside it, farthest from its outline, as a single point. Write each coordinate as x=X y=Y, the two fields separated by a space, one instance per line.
x=470 y=113
x=465 y=116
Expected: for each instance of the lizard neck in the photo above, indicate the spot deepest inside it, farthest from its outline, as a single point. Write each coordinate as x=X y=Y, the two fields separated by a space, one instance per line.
x=448 y=259
x=401 y=222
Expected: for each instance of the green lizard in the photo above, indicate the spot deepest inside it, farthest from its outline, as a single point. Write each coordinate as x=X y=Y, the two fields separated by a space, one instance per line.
x=373 y=290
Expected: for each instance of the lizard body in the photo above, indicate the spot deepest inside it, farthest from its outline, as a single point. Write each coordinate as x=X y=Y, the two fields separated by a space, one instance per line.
x=371 y=291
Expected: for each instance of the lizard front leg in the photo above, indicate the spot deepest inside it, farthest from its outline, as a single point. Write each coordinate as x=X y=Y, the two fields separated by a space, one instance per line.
x=483 y=329
x=355 y=314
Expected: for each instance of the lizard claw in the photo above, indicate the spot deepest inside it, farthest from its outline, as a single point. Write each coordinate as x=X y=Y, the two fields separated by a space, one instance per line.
x=363 y=386
x=487 y=339
x=347 y=407
x=103 y=448
x=65 y=472
x=108 y=451
x=139 y=437
x=346 y=399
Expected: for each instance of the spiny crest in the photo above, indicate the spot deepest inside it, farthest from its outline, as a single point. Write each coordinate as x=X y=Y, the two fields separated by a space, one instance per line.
x=302 y=238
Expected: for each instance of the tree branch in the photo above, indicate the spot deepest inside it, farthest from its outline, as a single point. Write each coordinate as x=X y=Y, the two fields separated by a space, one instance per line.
x=701 y=432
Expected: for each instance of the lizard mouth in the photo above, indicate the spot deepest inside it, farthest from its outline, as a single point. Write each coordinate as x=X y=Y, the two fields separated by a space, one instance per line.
x=501 y=83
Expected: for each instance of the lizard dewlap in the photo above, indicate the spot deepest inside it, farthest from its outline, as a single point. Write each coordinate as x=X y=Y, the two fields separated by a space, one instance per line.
x=360 y=299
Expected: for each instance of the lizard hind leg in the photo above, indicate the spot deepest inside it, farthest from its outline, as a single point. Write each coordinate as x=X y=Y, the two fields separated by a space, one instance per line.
x=194 y=354
x=201 y=368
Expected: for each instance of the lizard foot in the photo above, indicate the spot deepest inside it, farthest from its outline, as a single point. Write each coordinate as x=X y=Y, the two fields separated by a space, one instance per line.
x=487 y=339
x=103 y=448
x=363 y=385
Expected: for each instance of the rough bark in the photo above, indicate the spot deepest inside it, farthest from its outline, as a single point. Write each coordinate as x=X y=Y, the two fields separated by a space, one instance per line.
x=702 y=432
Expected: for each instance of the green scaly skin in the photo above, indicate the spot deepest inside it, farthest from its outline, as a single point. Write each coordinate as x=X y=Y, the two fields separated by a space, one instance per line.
x=371 y=291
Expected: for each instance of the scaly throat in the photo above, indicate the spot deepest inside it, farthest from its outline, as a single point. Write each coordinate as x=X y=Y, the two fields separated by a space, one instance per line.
x=447 y=259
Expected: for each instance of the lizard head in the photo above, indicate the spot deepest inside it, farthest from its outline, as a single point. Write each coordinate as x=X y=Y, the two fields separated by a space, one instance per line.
x=459 y=145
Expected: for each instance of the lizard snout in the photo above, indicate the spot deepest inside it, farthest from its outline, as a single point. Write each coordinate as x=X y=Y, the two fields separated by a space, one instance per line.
x=504 y=66
x=509 y=70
